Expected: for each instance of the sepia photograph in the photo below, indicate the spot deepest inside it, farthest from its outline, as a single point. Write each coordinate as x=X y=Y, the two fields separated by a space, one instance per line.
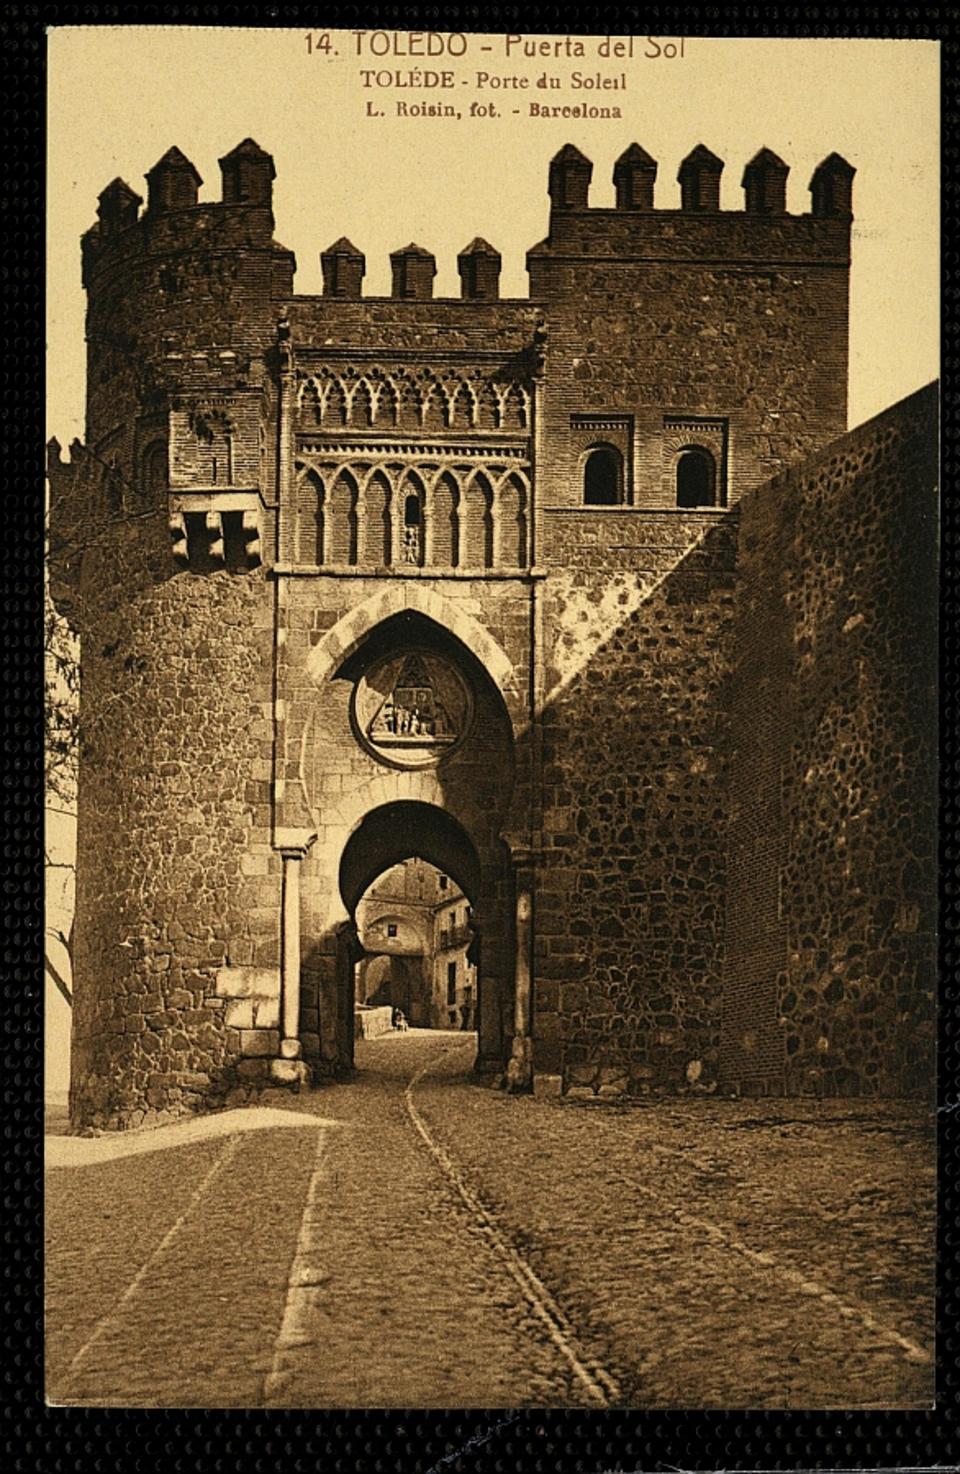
x=491 y=720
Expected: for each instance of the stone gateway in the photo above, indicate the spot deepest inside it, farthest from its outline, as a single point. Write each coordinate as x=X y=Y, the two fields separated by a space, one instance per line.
x=586 y=599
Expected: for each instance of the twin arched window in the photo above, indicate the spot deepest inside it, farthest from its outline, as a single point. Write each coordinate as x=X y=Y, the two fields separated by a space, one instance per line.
x=695 y=473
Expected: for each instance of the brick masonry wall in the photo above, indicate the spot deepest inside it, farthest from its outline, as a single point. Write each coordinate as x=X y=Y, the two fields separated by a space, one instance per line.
x=389 y=325
x=630 y=895
x=667 y=314
x=829 y=976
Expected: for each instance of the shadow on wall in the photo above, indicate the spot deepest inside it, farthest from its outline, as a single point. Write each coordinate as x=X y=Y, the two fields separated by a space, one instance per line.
x=831 y=950
x=735 y=881
x=630 y=892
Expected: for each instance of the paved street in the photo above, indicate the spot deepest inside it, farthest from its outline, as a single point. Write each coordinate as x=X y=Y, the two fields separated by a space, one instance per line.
x=415 y=1239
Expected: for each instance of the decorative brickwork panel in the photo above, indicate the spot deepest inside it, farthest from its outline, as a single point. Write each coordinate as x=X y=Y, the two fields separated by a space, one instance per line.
x=352 y=507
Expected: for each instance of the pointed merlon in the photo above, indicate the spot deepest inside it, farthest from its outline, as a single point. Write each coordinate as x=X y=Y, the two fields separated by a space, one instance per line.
x=247 y=175
x=172 y=183
x=343 y=247
x=634 y=175
x=174 y=161
x=701 y=158
x=635 y=157
x=343 y=268
x=831 y=187
x=248 y=149
x=765 y=184
x=699 y=176
x=479 y=247
x=413 y=271
x=479 y=268
x=119 y=191
x=570 y=154
x=117 y=206
x=569 y=179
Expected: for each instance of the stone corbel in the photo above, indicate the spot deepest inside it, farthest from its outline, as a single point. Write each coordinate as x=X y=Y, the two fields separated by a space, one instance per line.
x=214 y=526
x=178 y=540
x=251 y=538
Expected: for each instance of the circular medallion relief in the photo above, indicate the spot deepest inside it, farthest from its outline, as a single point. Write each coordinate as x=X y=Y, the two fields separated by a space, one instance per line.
x=412 y=709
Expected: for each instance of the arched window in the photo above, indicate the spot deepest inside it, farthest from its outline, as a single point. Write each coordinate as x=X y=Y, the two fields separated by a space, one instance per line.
x=310 y=519
x=696 y=478
x=153 y=474
x=476 y=544
x=445 y=522
x=603 y=477
x=512 y=524
x=113 y=487
x=376 y=532
x=340 y=517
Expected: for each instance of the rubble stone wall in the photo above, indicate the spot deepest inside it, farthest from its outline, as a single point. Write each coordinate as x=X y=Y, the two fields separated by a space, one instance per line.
x=831 y=912
x=629 y=909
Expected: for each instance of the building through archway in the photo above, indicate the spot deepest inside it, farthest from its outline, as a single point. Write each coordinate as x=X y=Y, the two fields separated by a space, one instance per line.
x=414 y=925
x=413 y=938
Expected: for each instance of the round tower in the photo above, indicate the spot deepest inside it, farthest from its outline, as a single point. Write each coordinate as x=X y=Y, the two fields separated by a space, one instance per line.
x=161 y=524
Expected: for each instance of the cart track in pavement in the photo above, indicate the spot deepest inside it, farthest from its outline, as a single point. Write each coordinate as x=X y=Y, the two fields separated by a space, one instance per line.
x=600 y=1386
x=358 y=1309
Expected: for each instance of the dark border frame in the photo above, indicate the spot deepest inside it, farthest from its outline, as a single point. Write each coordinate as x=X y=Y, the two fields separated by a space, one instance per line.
x=416 y=1442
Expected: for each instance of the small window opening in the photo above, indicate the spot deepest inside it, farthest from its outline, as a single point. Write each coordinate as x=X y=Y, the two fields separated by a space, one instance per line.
x=696 y=479
x=412 y=529
x=391 y=929
x=451 y=982
x=602 y=477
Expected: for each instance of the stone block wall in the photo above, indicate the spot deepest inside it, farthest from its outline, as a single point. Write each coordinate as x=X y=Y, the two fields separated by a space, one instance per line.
x=829 y=975
x=177 y=880
x=760 y=347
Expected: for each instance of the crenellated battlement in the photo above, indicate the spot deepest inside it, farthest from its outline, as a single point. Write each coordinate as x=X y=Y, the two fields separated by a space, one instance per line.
x=175 y=221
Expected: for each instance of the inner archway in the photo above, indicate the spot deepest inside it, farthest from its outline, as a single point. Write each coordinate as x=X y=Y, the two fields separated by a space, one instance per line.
x=412 y=882
x=399 y=831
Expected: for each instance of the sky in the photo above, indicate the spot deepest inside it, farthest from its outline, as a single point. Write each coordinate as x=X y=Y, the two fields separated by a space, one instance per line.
x=353 y=157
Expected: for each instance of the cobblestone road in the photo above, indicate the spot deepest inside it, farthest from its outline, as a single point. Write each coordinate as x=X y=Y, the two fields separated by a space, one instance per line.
x=415 y=1239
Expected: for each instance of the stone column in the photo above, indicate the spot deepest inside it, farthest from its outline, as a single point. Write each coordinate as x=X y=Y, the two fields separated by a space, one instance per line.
x=520 y=1066
x=289 y=1068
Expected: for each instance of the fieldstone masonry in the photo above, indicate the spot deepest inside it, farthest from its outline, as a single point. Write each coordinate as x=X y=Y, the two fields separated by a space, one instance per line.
x=686 y=786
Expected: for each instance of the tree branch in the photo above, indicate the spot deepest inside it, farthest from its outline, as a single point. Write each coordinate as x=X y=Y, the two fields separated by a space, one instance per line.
x=57 y=977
